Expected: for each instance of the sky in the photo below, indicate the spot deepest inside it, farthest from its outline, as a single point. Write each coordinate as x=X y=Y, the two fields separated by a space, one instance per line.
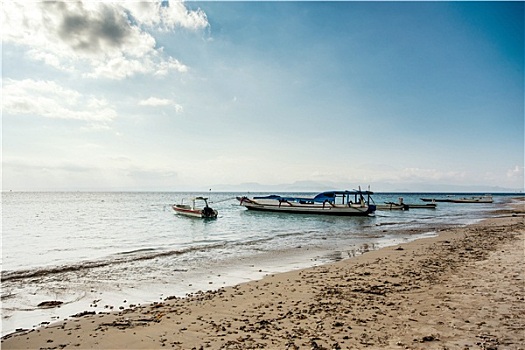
x=188 y=96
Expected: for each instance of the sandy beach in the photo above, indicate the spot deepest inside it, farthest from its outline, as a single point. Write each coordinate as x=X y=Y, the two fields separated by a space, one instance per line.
x=464 y=289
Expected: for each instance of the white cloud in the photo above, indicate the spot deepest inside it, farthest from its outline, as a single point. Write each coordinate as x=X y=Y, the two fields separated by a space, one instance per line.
x=153 y=101
x=164 y=67
x=106 y=38
x=167 y=17
x=50 y=100
x=160 y=102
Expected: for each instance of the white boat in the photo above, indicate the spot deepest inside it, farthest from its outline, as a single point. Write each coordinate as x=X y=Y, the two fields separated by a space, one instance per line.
x=451 y=199
x=478 y=199
x=392 y=206
x=194 y=210
x=343 y=203
x=400 y=205
x=422 y=206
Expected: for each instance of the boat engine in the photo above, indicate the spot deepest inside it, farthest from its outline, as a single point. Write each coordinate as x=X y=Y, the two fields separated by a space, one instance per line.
x=208 y=212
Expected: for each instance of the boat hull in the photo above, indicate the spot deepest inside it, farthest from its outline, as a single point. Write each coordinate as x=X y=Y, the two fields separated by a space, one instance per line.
x=195 y=213
x=298 y=208
x=460 y=200
x=441 y=200
x=422 y=206
x=468 y=200
x=392 y=206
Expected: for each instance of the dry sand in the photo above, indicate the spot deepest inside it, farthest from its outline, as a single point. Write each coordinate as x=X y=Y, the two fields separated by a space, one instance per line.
x=461 y=290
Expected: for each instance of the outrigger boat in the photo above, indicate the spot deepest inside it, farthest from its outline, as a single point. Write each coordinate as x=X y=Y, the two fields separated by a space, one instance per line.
x=392 y=206
x=342 y=203
x=435 y=200
x=192 y=210
x=477 y=199
x=422 y=206
x=403 y=206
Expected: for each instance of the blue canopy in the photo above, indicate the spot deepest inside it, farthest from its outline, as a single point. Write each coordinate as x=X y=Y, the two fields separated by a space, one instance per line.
x=319 y=198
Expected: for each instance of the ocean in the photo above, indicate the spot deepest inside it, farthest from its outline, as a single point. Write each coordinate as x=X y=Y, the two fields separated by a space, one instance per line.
x=101 y=252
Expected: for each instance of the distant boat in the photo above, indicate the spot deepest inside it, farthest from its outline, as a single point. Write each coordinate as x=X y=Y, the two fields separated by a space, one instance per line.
x=475 y=199
x=422 y=206
x=403 y=206
x=435 y=200
x=478 y=199
x=392 y=206
x=195 y=211
x=342 y=203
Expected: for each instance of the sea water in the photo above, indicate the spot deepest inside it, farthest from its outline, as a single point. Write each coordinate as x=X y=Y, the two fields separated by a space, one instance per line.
x=105 y=251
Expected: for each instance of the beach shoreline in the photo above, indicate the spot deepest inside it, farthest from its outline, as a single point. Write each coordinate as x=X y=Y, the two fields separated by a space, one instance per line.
x=461 y=289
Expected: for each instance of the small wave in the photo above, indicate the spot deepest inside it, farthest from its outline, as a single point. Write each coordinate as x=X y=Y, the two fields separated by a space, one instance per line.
x=44 y=271
x=8 y=296
x=143 y=250
x=292 y=234
x=388 y=223
x=125 y=257
x=369 y=235
x=253 y=241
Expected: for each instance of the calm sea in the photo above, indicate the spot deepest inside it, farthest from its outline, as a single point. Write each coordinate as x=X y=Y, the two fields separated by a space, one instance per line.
x=103 y=251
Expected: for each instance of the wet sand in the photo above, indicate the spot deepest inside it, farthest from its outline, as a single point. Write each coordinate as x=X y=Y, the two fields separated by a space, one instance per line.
x=463 y=289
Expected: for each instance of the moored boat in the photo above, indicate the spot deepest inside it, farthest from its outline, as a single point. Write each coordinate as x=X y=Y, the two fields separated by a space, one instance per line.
x=404 y=206
x=422 y=206
x=392 y=206
x=195 y=211
x=342 y=203
x=475 y=199
x=435 y=200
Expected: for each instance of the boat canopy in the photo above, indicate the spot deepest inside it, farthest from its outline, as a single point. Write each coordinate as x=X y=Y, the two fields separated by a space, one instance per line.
x=332 y=195
x=329 y=196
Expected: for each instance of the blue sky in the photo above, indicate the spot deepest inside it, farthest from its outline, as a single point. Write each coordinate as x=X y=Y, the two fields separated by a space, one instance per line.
x=198 y=95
